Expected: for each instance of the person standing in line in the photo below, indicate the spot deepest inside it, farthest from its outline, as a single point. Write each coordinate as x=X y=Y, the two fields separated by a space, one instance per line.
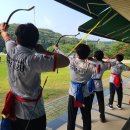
x=97 y=82
x=24 y=70
x=81 y=70
x=116 y=82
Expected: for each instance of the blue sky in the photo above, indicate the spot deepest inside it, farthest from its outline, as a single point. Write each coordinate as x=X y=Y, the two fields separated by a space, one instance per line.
x=48 y=14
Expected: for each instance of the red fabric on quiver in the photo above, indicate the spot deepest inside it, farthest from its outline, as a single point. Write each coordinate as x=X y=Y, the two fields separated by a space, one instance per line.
x=117 y=80
x=8 y=109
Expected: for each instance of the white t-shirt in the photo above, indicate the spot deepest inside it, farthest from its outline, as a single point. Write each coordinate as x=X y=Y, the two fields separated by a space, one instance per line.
x=81 y=71
x=24 y=70
x=117 y=69
x=98 y=76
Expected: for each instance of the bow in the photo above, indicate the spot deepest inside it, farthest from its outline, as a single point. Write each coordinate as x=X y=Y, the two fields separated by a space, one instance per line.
x=64 y=36
x=60 y=39
x=7 y=22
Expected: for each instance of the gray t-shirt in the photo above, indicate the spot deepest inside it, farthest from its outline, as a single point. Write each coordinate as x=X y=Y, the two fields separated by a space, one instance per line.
x=24 y=70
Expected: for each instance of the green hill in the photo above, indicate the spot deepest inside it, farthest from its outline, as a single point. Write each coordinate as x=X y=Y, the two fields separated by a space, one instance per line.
x=47 y=37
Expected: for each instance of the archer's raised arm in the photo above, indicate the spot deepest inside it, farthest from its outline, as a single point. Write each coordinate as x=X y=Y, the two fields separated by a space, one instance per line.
x=3 y=32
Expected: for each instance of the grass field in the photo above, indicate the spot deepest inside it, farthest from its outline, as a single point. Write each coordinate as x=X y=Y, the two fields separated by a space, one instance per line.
x=56 y=86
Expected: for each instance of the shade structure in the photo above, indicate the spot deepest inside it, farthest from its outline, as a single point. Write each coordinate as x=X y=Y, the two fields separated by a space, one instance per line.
x=121 y=6
x=113 y=26
x=89 y=7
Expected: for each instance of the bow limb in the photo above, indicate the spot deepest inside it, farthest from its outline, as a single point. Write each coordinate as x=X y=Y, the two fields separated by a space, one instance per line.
x=64 y=36
x=7 y=22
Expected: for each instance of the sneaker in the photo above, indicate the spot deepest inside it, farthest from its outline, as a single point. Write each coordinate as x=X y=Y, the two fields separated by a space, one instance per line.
x=110 y=106
x=119 y=107
x=102 y=118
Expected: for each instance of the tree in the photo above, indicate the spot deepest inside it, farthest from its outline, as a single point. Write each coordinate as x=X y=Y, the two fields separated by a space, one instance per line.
x=116 y=47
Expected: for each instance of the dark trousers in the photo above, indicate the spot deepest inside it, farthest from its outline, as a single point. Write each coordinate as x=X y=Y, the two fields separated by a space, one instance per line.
x=85 y=111
x=35 y=124
x=119 y=91
x=100 y=98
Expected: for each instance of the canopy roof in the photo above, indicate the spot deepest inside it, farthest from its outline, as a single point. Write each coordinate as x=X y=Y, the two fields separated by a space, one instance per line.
x=94 y=8
x=121 y=6
x=89 y=7
x=113 y=26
